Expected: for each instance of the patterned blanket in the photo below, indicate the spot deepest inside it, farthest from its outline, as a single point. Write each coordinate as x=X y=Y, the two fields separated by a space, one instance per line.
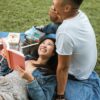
x=13 y=87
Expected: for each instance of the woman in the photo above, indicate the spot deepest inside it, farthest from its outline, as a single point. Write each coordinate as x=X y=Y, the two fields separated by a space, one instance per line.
x=39 y=75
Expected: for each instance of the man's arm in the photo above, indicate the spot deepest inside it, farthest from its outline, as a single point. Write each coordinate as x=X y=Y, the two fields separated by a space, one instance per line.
x=62 y=73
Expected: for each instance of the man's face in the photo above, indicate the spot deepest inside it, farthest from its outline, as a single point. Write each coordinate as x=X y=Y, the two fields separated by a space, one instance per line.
x=58 y=7
x=57 y=11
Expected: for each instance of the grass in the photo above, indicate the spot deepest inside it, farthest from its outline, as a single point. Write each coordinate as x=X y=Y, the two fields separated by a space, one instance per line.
x=20 y=15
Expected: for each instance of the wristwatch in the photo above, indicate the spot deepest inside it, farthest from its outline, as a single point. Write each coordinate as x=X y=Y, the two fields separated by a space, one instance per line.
x=59 y=96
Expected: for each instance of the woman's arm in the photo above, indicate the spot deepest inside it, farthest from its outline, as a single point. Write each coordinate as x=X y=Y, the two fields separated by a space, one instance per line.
x=43 y=90
x=39 y=87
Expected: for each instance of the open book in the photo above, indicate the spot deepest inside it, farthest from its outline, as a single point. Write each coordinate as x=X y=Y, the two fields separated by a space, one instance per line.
x=14 y=57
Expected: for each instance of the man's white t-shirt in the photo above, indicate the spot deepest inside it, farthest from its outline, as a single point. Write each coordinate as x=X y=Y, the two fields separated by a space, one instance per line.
x=76 y=37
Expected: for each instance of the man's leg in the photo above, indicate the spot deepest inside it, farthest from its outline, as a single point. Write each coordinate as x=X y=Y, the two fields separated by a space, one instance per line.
x=51 y=28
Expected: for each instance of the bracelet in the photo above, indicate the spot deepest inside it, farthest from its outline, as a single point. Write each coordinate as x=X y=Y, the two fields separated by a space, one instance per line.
x=59 y=96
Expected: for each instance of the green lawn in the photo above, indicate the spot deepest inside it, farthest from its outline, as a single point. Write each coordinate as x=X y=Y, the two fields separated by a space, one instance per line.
x=20 y=15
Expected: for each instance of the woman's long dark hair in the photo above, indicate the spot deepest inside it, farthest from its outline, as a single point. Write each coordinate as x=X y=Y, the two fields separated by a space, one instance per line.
x=51 y=65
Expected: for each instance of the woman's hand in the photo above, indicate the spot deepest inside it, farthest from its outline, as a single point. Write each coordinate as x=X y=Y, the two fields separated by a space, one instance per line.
x=25 y=74
x=3 y=53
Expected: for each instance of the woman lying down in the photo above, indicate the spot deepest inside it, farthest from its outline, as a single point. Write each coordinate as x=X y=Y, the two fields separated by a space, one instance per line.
x=37 y=81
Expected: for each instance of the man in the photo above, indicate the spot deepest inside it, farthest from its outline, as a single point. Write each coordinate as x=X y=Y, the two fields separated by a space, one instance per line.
x=75 y=43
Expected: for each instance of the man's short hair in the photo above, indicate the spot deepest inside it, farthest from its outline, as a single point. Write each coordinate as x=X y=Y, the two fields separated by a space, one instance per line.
x=75 y=3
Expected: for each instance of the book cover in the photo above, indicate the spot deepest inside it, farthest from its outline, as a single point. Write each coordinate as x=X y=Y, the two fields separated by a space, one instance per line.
x=33 y=34
x=14 y=57
x=13 y=38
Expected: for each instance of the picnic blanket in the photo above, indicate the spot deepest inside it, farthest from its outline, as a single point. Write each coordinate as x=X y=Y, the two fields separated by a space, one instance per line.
x=75 y=89
x=13 y=87
x=5 y=34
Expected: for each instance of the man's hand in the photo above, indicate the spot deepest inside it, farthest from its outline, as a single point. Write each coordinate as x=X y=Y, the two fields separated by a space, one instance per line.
x=54 y=17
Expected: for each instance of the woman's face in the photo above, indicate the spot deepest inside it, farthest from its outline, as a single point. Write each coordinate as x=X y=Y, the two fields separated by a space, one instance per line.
x=46 y=48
